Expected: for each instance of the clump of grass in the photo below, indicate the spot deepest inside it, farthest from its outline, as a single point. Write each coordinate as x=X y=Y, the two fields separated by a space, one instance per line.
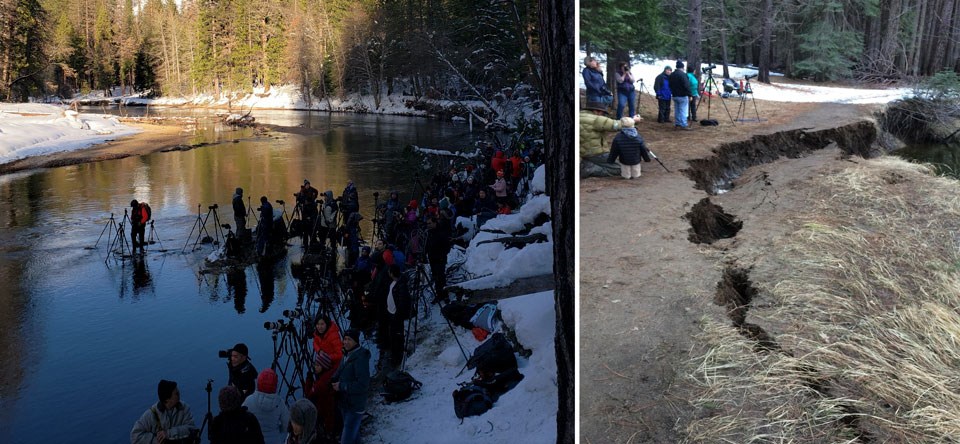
x=868 y=321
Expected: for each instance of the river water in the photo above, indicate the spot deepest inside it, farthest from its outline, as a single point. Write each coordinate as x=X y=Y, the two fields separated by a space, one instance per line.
x=85 y=337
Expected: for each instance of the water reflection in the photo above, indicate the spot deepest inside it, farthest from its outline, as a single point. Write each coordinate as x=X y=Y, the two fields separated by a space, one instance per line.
x=158 y=316
x=945 y=158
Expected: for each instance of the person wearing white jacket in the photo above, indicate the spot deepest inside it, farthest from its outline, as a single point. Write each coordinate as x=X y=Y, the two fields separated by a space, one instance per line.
x=268 y=407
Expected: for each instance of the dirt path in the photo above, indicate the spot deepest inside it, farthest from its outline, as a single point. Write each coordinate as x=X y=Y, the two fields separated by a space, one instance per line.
x=644 y=287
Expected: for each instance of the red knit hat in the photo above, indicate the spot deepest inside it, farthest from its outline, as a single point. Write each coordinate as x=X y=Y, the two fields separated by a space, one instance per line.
x=267 y=381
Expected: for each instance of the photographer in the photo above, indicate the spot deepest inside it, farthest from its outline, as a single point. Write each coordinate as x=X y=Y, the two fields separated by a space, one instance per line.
x=243 y=375
x=239 y=212
x=593 y=79
x=350 y=202
x=328 y=220
x=328 y=350
x=168 y=421
x=307 y=199
x=266 y=225
x=626 y=92
x=138 y=224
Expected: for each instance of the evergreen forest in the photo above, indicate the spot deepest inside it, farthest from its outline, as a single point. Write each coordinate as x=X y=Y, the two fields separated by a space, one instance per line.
x=447 y=49
x=882 y=41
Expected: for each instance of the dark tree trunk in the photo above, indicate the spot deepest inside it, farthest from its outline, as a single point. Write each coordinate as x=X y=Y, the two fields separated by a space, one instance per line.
x=556 y=37
x=766 y=26
x=943 y=24
x=694 y=35
x=724 y=57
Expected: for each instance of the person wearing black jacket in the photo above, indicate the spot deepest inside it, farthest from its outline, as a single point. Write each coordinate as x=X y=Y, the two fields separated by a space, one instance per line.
x=235 y=424
x=661 y=87
x=629 y=147
x=438 y=246
x=243 y=375
x=398 y=310
x=239 y=212
x=680 y=91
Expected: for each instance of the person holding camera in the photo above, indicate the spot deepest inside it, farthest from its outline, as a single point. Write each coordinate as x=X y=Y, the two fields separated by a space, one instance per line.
x=351 y=382
x=593 y=79
x=243 y=375
x=661 y=86
x=266 y=225
x=626 y=91
x=168 y=421
x=328 y=352
x=234 y=424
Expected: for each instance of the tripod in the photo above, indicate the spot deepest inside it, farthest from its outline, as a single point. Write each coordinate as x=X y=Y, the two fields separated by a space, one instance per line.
x=201 y=223
x=641 y=90
x=747 y=89
x=154 y=238
x=711 y=88
x=209 y=416
x=118 y=243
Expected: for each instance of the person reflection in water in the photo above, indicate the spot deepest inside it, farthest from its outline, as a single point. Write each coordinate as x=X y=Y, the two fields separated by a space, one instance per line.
x=265 y=275
x=237 y=286
x=141 y=275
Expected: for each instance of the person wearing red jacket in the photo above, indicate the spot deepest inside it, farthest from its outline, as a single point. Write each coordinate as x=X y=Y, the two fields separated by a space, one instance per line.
x=329 y=353
x=499 y=161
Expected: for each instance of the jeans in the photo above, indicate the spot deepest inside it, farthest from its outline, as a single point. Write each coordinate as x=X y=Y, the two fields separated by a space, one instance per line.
x=626 y=99
x=680 y=110
x=351 y=427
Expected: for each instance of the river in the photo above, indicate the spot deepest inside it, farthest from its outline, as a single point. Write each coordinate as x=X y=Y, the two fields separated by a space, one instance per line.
x=85 y=337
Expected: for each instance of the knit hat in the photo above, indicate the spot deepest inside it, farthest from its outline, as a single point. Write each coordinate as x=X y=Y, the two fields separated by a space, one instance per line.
x=239 y=190
x=668 y=67
x=329 y=194
x=627 y=122
x=267 y=381
x=352 y=333
x=679 y=64
x=165 y=389
x=229 y=398
x=241 y=348
x=304 y=414
x=444 y=203
x=306 y=182
x=413 y=204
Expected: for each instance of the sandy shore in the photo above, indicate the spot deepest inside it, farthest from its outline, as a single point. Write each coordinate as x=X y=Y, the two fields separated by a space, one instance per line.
x=153 y=138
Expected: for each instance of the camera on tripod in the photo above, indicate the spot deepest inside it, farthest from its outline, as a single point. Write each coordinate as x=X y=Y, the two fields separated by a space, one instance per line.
x=281 y=202
x=213 y=207
x=278 y=326
x=376 y=194
x=293 y=314
x=709 y=68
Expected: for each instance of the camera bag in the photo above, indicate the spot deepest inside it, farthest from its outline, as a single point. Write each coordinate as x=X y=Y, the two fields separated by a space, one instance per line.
x=709 y=122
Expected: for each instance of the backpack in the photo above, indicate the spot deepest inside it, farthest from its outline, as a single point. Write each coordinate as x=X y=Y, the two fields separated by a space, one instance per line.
x=146 y=211
x=460 y=313
x=709 y=122
x=484 y=317
x=495 y=355
x=399 y=385
x=471 y=400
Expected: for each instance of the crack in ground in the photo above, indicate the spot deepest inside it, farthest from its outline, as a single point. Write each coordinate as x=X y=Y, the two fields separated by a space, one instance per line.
x=709 y=223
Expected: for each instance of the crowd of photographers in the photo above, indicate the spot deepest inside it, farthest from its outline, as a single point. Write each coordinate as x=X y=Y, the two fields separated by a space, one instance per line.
x=336 y=388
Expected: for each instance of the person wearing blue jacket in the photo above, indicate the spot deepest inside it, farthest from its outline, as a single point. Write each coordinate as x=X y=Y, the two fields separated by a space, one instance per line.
x=661 y=87
x=593 y=79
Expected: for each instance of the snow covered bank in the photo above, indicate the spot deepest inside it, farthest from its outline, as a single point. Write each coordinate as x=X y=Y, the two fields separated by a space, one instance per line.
x=30 y=129
x=779 y=92
x=525 y=414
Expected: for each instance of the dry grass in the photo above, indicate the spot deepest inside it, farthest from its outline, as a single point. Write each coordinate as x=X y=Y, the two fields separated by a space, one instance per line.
x=868 y=316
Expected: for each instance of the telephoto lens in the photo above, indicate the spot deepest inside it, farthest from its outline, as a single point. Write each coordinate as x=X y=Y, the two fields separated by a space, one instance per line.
x=223 y=353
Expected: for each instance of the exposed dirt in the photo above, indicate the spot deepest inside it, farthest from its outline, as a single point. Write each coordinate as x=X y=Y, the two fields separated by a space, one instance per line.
x=644 y=286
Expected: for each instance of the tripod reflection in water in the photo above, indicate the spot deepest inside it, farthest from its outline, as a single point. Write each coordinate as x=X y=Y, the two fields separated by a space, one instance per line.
x=237 y=286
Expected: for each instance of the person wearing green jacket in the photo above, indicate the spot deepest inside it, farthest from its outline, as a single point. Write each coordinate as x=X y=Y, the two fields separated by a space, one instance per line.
x=695 y=96
x=594 y=147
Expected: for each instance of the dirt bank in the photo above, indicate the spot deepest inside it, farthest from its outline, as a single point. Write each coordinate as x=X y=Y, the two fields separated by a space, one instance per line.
x=653 y=253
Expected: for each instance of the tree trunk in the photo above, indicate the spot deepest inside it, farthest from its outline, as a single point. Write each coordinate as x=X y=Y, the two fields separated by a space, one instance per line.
x=724 y=57
x=694 y=35
x=556 y=37
x=614 y=57
x=943 y=24
x=917 y=39
x=766 y=26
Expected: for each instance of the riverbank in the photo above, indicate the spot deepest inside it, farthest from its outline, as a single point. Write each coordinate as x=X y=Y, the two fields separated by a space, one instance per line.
x=696 y=250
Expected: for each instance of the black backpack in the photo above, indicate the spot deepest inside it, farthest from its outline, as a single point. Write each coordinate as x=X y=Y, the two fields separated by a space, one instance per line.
x=471 y=400
x=495 y=355
x=460 y=313
x=399 y=385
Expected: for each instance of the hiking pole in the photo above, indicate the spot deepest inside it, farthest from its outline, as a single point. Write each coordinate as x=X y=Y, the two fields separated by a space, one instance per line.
x=654 y=156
